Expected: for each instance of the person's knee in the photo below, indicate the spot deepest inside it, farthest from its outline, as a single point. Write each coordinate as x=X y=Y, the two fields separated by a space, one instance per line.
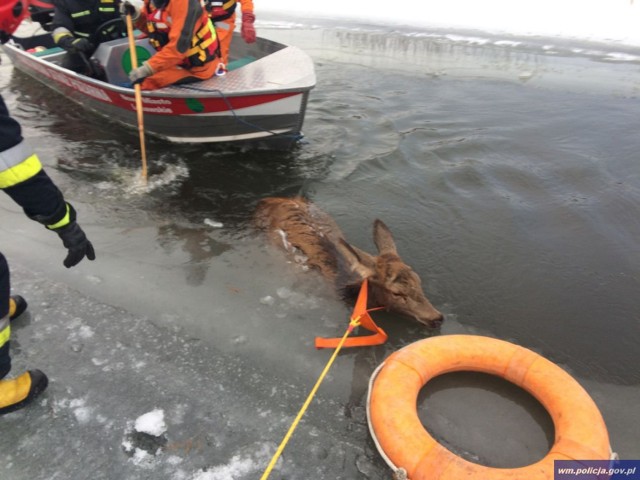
x=74 y=62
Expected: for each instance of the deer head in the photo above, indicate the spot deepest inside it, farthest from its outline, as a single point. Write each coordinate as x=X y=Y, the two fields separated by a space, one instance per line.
x=392 y=283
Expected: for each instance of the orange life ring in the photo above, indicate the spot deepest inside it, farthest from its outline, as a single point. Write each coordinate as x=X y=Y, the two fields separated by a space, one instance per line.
x=580 y=431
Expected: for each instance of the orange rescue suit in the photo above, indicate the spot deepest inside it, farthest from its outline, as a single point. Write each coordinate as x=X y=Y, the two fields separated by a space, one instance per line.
x=185 y=40
x=224 y=19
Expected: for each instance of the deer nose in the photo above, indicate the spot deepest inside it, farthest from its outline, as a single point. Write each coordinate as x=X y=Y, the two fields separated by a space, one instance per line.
x=432 y=320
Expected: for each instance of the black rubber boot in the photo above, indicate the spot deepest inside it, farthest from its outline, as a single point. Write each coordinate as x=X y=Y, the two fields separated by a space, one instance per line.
x=20 y=391
x=17 y=306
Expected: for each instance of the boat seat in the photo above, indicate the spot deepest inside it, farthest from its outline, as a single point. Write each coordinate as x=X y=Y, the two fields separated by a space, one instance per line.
x=115 y=58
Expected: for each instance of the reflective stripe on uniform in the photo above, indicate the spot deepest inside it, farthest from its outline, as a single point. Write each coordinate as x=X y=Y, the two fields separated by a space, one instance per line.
x=13 y=156
x=16 y=165
x=84 y=13
x=223 y=26
x=5 y=330
x=65 y=220
x=107 y=6
x=58 y=33
x=201 y=45
x=206 y=28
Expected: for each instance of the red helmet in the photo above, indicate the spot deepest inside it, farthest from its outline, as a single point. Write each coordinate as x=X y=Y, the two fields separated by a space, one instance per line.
x=12 y=12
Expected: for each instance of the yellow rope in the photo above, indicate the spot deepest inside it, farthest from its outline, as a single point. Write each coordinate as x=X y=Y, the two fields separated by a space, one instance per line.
x=352 y=324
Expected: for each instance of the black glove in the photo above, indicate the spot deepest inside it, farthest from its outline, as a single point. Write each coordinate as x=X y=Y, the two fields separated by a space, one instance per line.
x=82 y=45
x=75 y=45
x=74 y=240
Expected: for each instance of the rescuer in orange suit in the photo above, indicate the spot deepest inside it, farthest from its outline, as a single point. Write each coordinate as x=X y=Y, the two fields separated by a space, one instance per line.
x=184 y=37
x=223 y=14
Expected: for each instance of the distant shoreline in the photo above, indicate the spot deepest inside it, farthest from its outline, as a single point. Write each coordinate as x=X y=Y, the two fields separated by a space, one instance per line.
x=626 y=38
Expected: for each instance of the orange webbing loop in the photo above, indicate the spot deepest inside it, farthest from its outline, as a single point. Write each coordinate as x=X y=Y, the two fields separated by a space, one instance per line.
x=359 y=317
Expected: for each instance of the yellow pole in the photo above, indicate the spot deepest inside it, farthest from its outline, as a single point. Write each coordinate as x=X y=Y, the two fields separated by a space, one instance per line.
x=138 y=95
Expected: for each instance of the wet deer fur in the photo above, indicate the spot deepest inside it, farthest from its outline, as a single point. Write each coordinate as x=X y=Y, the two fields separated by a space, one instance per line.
x=300 y=227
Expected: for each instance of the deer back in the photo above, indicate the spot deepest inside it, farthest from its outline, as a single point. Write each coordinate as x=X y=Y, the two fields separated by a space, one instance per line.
x=299 y=226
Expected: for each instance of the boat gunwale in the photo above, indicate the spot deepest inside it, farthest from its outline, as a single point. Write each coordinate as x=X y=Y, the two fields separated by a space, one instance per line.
x=173 y=91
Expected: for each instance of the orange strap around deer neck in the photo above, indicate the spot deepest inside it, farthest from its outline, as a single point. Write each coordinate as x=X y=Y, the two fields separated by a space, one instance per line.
x=359 y=317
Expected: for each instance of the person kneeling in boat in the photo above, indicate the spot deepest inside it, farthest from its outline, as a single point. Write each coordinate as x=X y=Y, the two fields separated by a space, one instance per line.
x=74 y=28
x=185 y=40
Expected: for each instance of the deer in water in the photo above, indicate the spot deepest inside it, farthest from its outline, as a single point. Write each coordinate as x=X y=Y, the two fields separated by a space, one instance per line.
x=301 y=227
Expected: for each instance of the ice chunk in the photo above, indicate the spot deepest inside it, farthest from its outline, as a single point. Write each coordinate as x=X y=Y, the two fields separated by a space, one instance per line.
x=213 y=223
x=268 y=300
x=151 y=423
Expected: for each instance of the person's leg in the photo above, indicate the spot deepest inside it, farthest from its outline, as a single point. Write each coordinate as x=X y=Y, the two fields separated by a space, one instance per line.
x=178 y=75
x=224 y=31
x=19 y=391
x=76 y=63
x=5 y=328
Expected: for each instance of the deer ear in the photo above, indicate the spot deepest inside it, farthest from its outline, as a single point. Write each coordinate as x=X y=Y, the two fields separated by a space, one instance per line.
x=357 y=261
x=383 y=239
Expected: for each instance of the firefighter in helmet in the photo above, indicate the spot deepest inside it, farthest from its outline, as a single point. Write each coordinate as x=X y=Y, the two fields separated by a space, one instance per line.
x=25 y=181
